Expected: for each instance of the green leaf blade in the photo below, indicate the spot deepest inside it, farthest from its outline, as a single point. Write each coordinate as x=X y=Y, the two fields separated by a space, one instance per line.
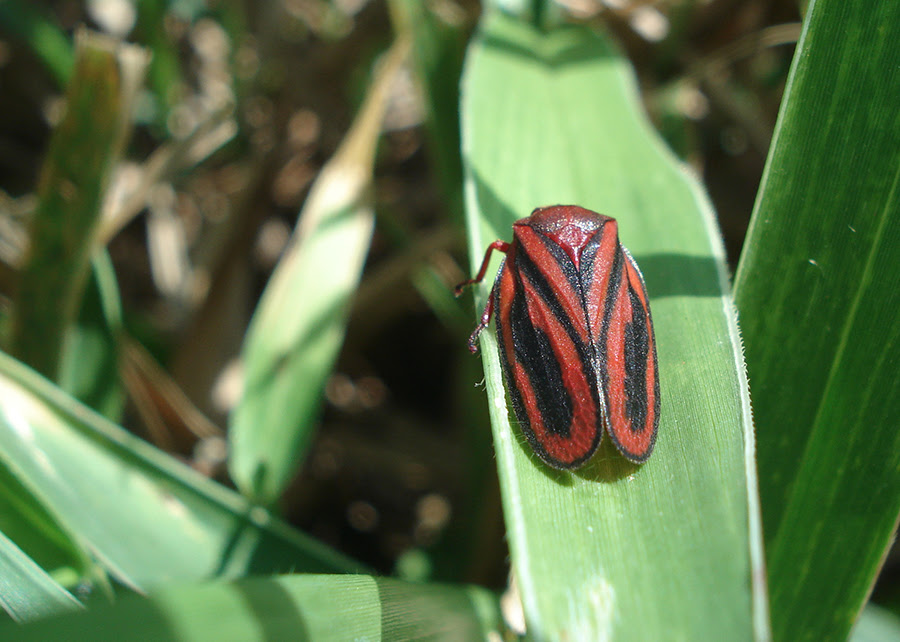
x=118 y=495
x=89 y=364
x=27 y=592
x=876 y=624
x=298 y=327
x=615 y=550
x=817 y=289
x=83 y=151
x=296 y=607
x=36 y=27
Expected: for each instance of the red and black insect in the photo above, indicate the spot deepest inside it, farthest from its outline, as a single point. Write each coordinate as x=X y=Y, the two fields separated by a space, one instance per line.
x=575 y=336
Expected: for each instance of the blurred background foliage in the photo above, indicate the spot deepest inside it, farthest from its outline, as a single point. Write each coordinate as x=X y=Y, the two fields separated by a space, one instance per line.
x=243 y=106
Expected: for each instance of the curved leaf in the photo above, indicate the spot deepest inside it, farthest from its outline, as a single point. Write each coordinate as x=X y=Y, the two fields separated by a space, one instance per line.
x=299 y=325
x=148 y=518
x=613 y=550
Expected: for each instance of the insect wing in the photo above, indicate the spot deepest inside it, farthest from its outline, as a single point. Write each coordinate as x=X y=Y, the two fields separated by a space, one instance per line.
x=625 y=346
x=545 y=350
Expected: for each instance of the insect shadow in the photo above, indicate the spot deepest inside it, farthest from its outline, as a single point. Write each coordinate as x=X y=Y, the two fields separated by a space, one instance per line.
x=605 y=466
x=560 y=54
